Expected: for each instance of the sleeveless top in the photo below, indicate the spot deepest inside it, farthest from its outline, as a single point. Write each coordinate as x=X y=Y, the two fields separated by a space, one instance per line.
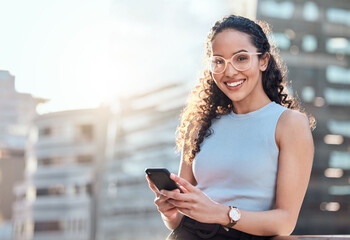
x=237 y=165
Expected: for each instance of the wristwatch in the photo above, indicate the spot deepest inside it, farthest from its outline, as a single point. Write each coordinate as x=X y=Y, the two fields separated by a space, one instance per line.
x=234 y=215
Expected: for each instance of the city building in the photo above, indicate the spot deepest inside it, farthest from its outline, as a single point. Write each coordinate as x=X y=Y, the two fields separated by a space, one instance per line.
x=63 y=159
x=17 y=111
x=314 y=41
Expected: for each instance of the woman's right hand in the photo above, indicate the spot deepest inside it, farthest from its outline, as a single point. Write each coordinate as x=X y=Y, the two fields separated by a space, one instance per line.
x=168 y=210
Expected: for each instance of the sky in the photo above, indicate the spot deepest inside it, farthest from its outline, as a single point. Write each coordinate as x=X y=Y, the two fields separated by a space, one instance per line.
x=54 y=49
x=80 y=53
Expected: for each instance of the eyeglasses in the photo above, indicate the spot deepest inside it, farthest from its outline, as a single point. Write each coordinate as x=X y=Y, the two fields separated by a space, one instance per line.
x=240 y=61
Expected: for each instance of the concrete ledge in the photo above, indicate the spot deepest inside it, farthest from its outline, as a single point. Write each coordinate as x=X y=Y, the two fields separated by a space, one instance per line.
x=312 y=237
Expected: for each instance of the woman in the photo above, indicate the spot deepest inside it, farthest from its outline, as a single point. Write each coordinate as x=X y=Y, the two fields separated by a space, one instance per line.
x=247 y=149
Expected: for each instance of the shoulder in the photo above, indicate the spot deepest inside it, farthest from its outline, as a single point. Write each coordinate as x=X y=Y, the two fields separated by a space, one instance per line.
x=293 y=119
x=292 y=125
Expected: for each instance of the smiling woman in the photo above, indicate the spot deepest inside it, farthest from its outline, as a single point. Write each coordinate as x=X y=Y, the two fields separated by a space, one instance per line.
x=247 y=150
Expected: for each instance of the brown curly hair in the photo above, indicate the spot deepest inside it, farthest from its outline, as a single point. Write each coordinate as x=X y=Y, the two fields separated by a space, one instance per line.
x=207 y=101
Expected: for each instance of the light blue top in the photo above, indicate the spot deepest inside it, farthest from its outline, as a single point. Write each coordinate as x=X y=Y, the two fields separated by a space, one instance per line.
x=237 y=165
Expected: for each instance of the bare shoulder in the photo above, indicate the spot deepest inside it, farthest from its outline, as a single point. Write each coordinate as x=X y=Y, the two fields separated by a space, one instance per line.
x=292 y=125
x=293 y=119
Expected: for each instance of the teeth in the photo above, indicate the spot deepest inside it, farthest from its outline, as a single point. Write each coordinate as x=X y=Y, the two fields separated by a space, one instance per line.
x=234 y=84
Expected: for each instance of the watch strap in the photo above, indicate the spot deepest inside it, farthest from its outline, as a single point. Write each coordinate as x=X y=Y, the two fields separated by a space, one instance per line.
x=232 y=223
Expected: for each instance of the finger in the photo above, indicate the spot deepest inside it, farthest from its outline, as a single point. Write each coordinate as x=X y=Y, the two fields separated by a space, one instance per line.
x=184 y=190
x=183 y=182
x=166 y=207
x=152 y=186
x=176 y=195
x=180 y=204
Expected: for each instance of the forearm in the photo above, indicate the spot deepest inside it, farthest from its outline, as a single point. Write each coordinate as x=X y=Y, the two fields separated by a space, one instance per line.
x=172 y=224
x=263 y=223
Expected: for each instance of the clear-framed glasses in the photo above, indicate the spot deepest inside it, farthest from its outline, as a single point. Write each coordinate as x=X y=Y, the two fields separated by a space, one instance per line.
x=240 y=61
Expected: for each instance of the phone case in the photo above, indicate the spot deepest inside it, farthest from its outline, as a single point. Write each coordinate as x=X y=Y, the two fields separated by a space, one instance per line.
x=161 y=178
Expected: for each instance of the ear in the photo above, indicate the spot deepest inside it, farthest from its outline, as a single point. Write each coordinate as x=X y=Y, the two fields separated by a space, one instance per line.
x=264 y=61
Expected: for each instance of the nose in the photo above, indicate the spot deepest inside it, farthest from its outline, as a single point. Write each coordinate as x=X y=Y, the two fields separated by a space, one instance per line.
x=230 y=70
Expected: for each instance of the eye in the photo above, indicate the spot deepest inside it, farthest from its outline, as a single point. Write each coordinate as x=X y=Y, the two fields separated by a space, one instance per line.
x=217 y=61
x=242 y=57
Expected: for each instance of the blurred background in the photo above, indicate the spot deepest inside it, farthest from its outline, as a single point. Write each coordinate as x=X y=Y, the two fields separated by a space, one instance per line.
x=91 y=93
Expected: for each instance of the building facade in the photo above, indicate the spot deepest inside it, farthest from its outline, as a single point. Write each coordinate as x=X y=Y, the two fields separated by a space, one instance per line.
x=314 y=41
x=17 y=111
x=56 y=200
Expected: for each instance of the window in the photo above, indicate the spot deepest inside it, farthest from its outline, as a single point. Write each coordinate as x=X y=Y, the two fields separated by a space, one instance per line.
x=308 y=94
x=310 y=11
x=337 y=15
x=339 y=190
x=309 y=43
x=54 y=190
x=53 y=161
x=84 y=159
x=49 y=226
x=339 y=127
x=337 y=96
x=89 y=188
x=85 y=132
x=336 y=74
x=330 y=206
x=340 y=160
x=282 y=40
x=45 y=131
x=338 y=45
x=276 y=9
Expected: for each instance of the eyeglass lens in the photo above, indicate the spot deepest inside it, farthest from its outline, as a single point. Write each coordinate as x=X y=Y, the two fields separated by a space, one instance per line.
x=240 y=61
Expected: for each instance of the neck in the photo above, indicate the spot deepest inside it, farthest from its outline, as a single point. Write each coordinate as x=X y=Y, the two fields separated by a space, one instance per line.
x=243 y=107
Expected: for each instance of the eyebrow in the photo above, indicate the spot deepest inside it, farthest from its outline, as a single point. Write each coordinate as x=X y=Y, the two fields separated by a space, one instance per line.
x=242 y=50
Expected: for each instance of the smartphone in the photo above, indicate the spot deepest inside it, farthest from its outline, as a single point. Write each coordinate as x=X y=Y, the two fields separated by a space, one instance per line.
x=161 y=178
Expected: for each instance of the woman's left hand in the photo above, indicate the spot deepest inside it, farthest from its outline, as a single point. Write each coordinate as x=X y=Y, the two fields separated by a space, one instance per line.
x=196 y=204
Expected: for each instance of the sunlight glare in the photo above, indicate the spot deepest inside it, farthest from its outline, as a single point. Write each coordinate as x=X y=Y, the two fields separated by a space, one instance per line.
x=89 y=67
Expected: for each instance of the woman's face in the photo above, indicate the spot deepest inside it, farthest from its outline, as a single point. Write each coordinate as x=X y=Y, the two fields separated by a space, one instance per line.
x=239 y=86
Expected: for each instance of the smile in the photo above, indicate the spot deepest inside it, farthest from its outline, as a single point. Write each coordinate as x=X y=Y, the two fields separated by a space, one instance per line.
x=235 y=84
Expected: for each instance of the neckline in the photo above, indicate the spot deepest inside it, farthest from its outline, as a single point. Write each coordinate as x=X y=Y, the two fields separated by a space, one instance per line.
x=253 y=113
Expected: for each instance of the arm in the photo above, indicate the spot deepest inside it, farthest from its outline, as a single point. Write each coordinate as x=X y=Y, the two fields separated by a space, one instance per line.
x=295 y=142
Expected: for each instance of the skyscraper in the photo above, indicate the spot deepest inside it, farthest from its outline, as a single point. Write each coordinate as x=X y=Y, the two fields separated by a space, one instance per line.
x=313 y=38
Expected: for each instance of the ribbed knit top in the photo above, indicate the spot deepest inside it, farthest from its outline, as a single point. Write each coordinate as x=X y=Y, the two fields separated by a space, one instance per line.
x=237 y=165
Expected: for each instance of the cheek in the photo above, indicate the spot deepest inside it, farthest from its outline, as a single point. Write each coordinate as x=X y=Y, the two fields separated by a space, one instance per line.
x=216 y=77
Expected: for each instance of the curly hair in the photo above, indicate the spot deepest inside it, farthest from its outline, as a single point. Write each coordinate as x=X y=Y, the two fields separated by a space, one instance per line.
x=207 y=101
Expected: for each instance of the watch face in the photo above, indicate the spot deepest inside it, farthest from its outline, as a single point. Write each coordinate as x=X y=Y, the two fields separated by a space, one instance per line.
x=235 y=214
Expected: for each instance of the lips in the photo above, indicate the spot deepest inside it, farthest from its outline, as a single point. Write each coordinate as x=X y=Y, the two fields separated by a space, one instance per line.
x=235 y=83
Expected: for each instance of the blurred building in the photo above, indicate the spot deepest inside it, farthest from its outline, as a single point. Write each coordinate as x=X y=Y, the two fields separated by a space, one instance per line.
x=144 y=136
x=64 y=156
x=314 y=39
x=17 y=111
